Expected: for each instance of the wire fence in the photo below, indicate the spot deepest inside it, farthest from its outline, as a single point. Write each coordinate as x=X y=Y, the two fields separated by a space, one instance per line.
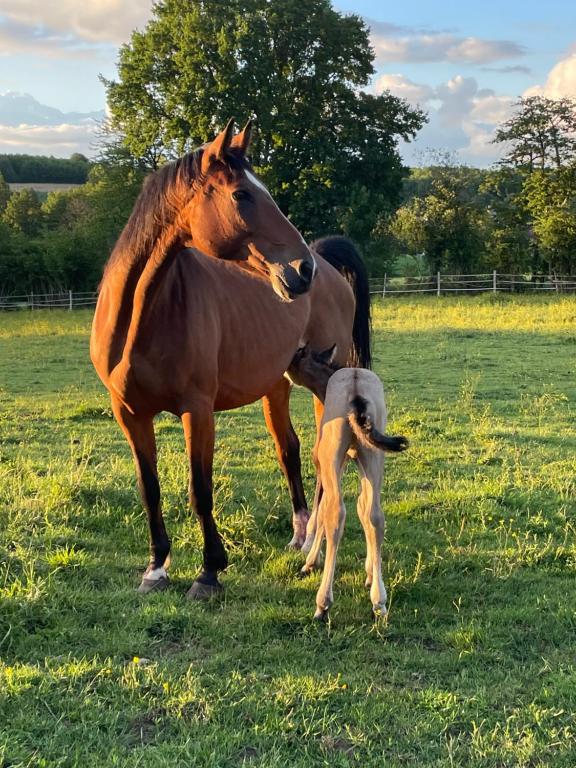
x=54 y=300
x=493 y=282
x=438 y=285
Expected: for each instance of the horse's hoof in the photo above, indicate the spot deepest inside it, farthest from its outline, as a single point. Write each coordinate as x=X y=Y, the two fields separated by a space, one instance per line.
x=153 y=585
x=307 y=546
x=321 y=614
x=379 y=612
x=306 y=570
x=201 y=591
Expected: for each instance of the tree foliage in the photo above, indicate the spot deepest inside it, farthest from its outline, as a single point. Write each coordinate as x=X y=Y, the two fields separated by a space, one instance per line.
x=444 y=224
x=4 y=193
x=55 y=170
x=297 y=66
x=541 y=134
x=23 y=212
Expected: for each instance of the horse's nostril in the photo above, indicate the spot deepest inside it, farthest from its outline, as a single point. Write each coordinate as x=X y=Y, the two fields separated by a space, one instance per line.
x=306 y=270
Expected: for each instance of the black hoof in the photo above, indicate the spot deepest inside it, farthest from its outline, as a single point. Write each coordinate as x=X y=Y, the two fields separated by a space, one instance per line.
x=153 y=585
x=202 y=591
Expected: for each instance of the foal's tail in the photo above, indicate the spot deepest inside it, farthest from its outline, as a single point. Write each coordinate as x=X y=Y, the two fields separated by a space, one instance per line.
x=343 y=255
x=363 y=427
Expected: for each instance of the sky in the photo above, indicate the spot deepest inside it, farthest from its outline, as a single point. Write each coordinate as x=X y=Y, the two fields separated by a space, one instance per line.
x=464 y=63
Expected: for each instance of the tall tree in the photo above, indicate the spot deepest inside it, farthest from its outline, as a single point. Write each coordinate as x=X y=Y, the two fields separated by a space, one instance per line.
x=23 y=212
x=551 y=201
x=510 y=244
x=541 y=134
x=445 y=224
x=298 y=66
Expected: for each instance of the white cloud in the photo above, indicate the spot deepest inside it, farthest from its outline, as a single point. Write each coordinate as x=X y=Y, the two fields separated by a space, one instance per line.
x=60 y=140
x=462 y=116
x=93 y=21
x=403 y=87
x=390 y=44
x=561 y=81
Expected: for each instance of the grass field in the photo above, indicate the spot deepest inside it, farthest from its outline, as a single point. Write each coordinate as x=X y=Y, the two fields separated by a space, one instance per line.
x=476 y=664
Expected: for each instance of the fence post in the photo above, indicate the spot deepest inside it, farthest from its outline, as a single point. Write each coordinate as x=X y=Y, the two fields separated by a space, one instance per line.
x=494 y=282
x=70 y=300
x=384 y=286
x=438 y=284
x=32 y=300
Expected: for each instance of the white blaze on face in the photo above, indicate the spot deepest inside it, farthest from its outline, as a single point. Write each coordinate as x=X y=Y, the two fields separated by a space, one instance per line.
x=257 y=182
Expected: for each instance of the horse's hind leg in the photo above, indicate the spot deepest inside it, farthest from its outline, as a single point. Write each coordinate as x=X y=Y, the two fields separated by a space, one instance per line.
x=332 y=457
x=371 y=466
x=199 y=434
x=139 y=432
x=277 y=415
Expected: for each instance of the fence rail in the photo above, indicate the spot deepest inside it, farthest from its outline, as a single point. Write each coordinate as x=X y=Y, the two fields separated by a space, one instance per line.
x=56 y=300
x=439 y=284
x=493 y=282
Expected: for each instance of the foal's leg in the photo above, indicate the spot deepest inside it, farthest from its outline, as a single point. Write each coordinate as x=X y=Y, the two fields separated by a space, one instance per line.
x=199 y=435
x=371 y=466
x=332 y=456
x=139 y=432
x=363 y=515
x=312 y=522
x=277 y=415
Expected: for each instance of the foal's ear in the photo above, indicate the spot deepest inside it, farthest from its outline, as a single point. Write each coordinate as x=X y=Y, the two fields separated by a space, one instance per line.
x=217 y=148
x=328 y=355
x=242 y=140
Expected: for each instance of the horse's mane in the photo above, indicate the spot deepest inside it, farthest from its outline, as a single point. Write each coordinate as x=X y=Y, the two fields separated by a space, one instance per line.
x=162 y=196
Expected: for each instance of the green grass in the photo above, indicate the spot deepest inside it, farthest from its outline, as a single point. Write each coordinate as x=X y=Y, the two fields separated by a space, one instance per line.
x=476 y=664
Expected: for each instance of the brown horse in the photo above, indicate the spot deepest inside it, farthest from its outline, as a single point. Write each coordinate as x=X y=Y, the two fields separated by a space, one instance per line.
x=187 y=331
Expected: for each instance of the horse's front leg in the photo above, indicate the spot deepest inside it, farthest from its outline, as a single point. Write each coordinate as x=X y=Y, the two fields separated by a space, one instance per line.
x=139 y=432
x=277 y=415
x=199 y=434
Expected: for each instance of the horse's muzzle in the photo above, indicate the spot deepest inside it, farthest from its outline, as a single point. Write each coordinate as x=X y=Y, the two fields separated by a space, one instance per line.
x=294 y=279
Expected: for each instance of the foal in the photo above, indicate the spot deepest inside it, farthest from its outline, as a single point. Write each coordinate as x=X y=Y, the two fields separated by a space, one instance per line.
x=352 y=426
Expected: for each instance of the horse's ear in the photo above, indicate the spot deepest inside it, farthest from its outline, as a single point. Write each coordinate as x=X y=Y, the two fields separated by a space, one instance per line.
x=328 y=355
x=242 y=140
x=217 y=148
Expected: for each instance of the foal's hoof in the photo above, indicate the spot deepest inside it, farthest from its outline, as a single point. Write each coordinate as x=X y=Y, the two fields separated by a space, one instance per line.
x=201 y=591
x=379 y=612
x=153 y=585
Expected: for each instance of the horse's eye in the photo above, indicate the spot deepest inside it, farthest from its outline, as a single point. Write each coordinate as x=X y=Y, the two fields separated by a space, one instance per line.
x=241 y=194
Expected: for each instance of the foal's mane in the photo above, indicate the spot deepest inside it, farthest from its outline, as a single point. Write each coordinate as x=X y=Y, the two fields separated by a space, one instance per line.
x=163 y=195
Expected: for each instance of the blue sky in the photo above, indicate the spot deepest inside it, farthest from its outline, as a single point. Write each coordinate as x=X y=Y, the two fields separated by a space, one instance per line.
x=464 y=63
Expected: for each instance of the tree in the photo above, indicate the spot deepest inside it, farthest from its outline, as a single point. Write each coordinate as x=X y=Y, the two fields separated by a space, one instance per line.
x=298 y=67
x=542 y=133
x=4 y=193
x=23 y=212
x=551 y=202
x=446 y=224
x=509 y=237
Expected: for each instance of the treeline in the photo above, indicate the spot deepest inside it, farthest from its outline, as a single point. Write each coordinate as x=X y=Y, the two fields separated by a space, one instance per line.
x=63 y=242
x=519 y=217
x=41 y=169
x=327 y=150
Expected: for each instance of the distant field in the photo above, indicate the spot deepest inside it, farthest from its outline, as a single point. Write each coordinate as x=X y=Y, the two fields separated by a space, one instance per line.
x=42 y=188
x=476 y=666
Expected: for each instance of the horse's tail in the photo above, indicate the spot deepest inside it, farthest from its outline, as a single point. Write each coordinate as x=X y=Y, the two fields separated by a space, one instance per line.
x=343 y=255
x=360 y=420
